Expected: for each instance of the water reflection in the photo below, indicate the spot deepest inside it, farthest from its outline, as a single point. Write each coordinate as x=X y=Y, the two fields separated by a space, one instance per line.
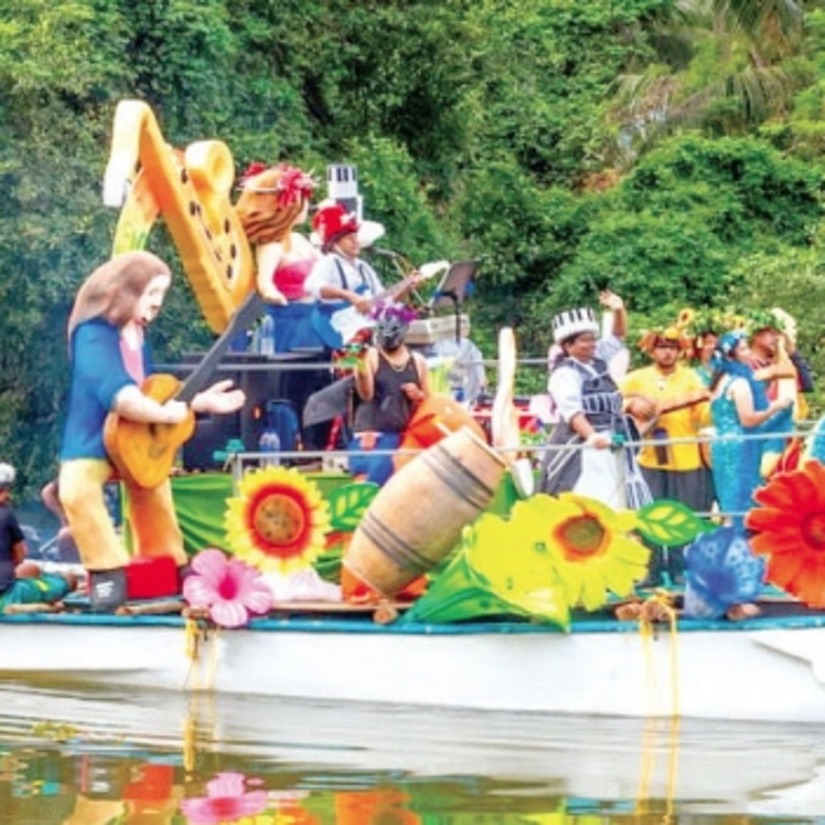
x=93 y=758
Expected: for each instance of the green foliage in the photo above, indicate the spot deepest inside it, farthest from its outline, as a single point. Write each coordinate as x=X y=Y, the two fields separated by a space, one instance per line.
x=670 y=234
x=393 y=194
x=544 y=94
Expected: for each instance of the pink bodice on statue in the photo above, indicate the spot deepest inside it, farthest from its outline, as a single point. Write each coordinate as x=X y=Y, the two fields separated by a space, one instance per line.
x=289 y=278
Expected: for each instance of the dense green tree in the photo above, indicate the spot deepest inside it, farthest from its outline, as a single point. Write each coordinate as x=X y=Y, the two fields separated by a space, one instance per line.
x=722 y=65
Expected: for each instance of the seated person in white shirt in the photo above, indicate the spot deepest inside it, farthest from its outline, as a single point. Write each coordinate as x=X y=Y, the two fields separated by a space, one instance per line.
x=340 y=278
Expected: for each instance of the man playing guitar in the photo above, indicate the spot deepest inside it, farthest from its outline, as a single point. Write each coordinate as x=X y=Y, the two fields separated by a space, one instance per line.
x=669 y=402
x=345 y=286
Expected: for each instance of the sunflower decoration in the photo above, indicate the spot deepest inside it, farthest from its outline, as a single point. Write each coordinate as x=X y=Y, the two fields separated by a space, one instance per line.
x=278 y=521
x=789 y=527
x=590 y=545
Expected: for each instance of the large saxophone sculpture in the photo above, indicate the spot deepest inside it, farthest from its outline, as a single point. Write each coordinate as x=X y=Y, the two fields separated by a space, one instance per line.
x=191 y=190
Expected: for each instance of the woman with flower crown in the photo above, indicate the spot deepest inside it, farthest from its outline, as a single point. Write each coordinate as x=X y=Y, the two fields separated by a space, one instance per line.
x=584 y=457
x=740 y=407
x=273 y=202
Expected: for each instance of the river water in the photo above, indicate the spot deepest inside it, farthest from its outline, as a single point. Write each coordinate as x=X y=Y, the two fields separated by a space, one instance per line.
x=97 y=757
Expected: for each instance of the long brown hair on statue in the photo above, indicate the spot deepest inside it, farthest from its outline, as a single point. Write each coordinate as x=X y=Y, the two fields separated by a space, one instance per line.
x=112 y=290
x=271 y=202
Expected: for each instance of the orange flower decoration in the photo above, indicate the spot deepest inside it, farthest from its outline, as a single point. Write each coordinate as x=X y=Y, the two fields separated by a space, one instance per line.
x=790 y=528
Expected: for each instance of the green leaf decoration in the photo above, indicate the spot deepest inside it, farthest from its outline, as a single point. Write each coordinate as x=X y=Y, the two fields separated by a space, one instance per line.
x=347 y=504
x=670 y=523
x=328 y=564
x=462 y=593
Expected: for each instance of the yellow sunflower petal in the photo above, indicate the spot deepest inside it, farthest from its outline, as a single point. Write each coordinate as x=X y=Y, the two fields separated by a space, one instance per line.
x=594 y=593
x=630 y=551
x=557 y=508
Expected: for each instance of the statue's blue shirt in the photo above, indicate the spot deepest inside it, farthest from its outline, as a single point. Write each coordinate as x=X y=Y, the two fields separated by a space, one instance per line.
x=97 y=375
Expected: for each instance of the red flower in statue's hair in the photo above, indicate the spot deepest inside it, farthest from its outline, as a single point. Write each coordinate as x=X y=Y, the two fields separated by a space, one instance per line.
x=294 y=185
x=289 y=184
x=254 y=168
x=790 y=530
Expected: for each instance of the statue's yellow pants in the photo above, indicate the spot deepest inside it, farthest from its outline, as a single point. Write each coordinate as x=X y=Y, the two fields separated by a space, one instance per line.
x=151 y=515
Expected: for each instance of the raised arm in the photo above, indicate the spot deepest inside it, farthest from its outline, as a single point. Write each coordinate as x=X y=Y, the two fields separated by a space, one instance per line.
x=615 y=304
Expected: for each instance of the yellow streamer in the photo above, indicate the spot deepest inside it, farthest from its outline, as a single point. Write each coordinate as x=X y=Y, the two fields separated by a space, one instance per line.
x=648 y=754
x=196 y=635
x=659 y=605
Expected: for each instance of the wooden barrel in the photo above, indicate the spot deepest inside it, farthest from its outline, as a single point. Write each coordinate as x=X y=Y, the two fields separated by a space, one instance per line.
x=418 y=516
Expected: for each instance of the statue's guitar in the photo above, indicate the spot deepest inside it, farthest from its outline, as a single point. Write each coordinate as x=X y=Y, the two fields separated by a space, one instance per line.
x=144 y=453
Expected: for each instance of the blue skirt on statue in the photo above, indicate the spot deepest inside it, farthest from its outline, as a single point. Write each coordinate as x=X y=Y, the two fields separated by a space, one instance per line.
x=294 y=329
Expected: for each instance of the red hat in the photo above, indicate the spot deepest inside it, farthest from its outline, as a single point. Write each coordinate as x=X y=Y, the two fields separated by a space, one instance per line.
x=332 y=223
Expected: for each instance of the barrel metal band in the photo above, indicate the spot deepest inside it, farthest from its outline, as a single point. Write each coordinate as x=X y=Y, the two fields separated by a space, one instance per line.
x=463 y=482
x=393 y=546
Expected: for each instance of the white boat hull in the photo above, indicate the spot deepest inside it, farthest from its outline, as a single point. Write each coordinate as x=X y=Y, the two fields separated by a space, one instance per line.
x=760 y=670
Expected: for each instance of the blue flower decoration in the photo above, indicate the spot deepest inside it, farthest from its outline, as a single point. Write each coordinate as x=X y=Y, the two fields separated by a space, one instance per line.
x=721 y=570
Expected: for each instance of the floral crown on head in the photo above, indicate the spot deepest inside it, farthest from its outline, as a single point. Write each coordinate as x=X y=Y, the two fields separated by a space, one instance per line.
x=392 y=310
x=759 y=319
x=696 y=323
x=727 y=343
x=649 y=338
x=292 y=186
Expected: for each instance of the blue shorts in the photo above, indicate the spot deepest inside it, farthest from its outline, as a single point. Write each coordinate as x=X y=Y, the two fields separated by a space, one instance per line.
x=374 y=468
x=48 y=587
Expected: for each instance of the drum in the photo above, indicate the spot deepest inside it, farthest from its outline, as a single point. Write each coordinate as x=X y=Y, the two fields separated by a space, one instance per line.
x=418 y=516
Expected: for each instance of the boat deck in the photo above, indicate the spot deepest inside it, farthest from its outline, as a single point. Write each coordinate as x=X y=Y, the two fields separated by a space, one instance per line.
x=776 y=613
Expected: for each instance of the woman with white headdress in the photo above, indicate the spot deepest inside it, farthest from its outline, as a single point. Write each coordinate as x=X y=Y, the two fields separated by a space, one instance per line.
x=583 y=455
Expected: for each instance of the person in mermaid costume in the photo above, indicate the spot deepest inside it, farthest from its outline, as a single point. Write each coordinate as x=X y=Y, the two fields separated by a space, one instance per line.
x=740 y=407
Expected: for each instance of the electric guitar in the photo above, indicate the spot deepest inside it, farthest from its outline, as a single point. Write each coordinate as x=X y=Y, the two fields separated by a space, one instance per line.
x=338 y=323
x=143 y=452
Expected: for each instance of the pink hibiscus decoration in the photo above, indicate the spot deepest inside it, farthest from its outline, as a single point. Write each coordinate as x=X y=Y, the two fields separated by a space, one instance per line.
x=229 y=589
x=226 y=801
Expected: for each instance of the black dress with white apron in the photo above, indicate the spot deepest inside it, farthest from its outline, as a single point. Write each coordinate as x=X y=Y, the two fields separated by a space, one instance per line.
x=609 y=475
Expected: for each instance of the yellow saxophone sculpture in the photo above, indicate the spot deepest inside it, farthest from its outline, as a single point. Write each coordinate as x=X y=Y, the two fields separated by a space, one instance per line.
x=191 y=191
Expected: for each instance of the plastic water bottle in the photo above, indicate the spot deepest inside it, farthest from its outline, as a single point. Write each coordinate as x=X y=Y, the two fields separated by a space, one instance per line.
x=266 y=336
x=270 y=445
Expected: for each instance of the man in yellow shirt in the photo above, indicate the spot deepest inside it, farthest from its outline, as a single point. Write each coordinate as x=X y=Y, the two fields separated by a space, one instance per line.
x=669 y=403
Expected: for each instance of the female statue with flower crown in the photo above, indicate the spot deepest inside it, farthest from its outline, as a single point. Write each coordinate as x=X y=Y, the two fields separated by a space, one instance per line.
x=273 y=202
